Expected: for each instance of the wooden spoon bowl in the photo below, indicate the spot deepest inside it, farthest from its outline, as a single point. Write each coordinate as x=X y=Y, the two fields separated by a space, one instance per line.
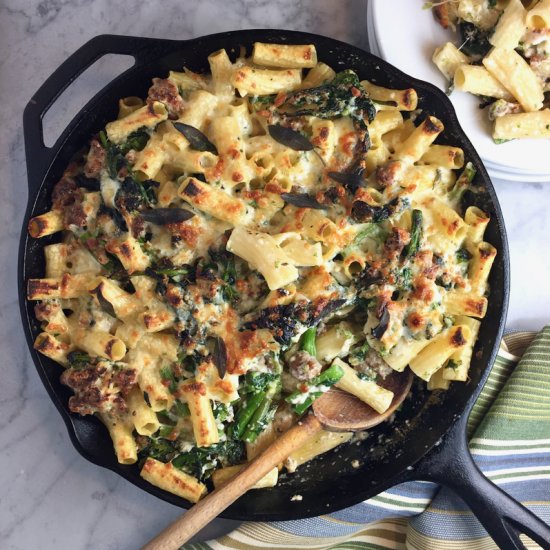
x=335 y=410
x=339 y=411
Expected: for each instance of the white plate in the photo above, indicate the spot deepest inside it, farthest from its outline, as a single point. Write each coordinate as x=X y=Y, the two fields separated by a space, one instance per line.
x=497 y=173
x=406 y=36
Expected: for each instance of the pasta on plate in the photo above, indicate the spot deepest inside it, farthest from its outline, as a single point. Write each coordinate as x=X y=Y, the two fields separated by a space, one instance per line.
x=241 y=241
x=503 y=57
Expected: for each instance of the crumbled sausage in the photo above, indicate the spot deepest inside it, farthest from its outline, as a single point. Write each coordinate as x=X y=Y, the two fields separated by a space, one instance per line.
x=166 y=92
x=373 y=365
x=304 y=366
x=396 y=242
x=99 y=388
x=67 y=196
x=332 y=195
x=65 y=193
x=137 y=226
x=95 y=160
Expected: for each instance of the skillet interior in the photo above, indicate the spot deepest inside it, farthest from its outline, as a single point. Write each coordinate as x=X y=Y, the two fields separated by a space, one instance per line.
x=330 y=482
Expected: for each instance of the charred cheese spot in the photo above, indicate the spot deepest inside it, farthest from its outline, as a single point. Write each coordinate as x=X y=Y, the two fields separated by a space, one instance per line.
x=225 y=385
x=457 y=338
x=347 y=143
x=156 y=320
x=174 y=296
x=46 y=344
x=476 y=306
x=486 y=252
x=41 y=287
x=194 y=387
x=191 y=189
x=65 y=283
x=233 y=153
x=415 y=321
x=274 y=187
x=432 y=126
x=408 y=97
x=109 y=347
x=186 y=232
x=37 y=226
x=423 y=291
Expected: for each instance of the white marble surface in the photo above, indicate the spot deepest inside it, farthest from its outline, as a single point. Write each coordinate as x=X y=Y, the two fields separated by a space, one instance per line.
x=49 y=496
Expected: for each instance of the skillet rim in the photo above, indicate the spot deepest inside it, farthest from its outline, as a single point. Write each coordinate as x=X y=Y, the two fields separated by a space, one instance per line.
x=233 y=38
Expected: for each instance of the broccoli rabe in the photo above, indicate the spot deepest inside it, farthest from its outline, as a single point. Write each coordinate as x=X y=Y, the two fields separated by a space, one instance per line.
x=202 y=461
x=259 y=402
x=343 y=96
x=416 y=235
x=307 y=341
x=308 y=392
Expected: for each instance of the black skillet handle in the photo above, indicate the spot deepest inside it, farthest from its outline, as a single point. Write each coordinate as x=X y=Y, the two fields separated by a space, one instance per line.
x=39 y=157
x=452 y=465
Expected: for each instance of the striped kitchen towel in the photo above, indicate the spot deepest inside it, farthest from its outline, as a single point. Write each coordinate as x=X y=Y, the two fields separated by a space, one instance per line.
x=510 y=441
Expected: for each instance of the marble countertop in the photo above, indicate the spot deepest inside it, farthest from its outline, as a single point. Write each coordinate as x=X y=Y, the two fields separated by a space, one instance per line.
x=49 y=496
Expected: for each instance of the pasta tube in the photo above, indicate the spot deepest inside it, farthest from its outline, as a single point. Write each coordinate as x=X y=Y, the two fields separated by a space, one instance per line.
x=377 y=397
x=432 y=357
x=169 y=478
x=513 y=72
x=284 y=55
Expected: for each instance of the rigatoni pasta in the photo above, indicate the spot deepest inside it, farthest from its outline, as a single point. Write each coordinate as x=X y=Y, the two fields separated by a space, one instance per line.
x=252 y=243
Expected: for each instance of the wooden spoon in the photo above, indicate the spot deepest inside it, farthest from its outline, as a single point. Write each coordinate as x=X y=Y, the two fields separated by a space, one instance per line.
x=335 y=410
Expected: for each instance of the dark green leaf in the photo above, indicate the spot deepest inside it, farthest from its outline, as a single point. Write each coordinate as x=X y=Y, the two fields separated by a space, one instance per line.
x=220 y=356
x=302 y=200
x=350 y=180
x=167 y=375
x=159 y=449
x=136 y=141
x=201 y=461
x=379 y=330
x=462 y=255
x=165 y=216
x=114 y=158
x=134 y=195
x=197 y=140
x=289 y=138
x=182 y=409
x=475 y=41
x=105 y=305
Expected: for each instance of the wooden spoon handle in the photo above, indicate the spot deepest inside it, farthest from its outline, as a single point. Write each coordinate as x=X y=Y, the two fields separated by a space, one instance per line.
x=208 y=508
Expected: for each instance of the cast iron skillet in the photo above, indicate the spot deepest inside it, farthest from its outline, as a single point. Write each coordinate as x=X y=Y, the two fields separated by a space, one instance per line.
x=428 y=439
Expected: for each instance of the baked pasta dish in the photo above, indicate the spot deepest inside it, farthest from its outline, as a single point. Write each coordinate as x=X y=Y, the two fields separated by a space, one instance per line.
x=239 y=242
x=503 y=57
